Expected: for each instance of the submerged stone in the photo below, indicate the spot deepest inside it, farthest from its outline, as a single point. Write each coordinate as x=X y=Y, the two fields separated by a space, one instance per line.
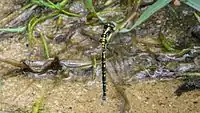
x=188 y=86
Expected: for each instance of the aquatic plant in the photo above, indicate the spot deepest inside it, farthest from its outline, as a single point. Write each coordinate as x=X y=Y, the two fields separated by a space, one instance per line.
x=92 y=13
x=197 y=16
x=156 y=7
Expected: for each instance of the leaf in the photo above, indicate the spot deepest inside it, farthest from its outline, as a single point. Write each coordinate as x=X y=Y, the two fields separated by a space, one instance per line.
x=63 y=3
x=193 y=3
x=19 y=29
x=58 y=6
x=45 y=45
x=44 y=3
x=197 y=16
x=89 y=5
x=166 y=44
x=147 y=13
x=33 y=22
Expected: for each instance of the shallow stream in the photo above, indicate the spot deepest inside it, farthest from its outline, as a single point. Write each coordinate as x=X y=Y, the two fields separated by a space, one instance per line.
x=141 y=75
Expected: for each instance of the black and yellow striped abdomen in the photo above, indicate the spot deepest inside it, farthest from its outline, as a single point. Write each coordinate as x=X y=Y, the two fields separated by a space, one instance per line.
x=108 y=29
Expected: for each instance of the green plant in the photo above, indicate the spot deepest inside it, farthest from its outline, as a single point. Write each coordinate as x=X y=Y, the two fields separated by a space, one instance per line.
x=197 y=16
x=93 y=12
x=156 y=7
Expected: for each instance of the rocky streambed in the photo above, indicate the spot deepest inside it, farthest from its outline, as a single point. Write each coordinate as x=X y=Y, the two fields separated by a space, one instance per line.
x=144 y=74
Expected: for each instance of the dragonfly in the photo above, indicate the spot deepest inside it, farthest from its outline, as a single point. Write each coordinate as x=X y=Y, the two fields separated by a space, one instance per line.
x=108 y=30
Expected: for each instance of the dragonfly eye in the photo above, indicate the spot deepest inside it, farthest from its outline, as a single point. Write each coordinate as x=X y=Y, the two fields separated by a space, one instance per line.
x=111 y=25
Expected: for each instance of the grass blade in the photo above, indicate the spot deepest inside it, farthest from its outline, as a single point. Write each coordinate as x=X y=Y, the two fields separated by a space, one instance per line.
x=89 y=6
x=197 y=16
x=18 y=30
x=147 y=13
x=44 y=42
x=166 y=44
x=33 y=22
x=193 y=3
x=58 y=6
x=63 y=3
x=37 y=104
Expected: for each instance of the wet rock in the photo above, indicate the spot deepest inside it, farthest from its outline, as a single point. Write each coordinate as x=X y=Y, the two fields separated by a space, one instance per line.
x=195 y=32
x=188 y=86
x=60 y=38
